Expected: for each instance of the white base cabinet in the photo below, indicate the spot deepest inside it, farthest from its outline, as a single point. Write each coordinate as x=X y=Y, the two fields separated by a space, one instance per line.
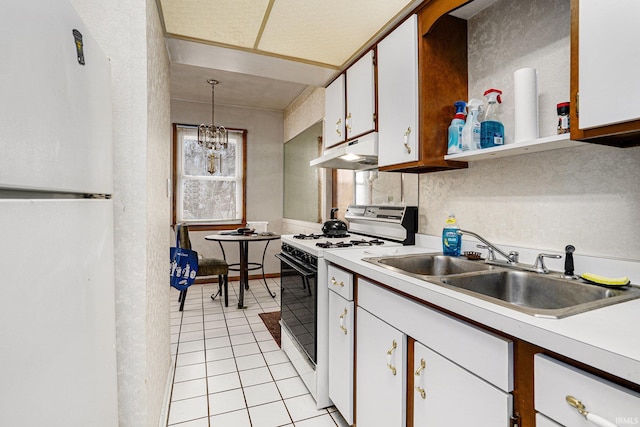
x=555 y=381
x=444 y=392
x=466 y=378
x=341 y=343
x=380 y=373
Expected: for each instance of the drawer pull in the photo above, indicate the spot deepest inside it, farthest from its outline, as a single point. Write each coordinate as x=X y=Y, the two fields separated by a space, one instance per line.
x=421 y=367
x=595 y=419
x=335 y=282
x=338 y=123
x=394 y=345
x=344 y=313
x=347 y=123
x=423 y=393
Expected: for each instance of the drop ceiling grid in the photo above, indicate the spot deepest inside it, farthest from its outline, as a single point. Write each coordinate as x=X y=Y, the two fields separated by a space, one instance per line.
x=328 y=31
x=227 y=22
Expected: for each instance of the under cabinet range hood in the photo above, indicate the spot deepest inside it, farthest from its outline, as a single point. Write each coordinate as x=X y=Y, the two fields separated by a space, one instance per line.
x=358 y=154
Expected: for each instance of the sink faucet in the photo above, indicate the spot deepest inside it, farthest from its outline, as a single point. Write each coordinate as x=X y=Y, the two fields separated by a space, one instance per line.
x=512 y=257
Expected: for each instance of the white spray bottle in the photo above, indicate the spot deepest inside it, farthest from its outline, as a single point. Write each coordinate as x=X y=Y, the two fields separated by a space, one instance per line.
x=471 y=129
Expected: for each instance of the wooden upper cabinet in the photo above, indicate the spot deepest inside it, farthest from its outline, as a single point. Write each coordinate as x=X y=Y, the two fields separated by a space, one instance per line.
x=604 y=68
x=442 y=80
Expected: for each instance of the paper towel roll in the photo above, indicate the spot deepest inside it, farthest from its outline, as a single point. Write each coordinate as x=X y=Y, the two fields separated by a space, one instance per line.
x=525 y=91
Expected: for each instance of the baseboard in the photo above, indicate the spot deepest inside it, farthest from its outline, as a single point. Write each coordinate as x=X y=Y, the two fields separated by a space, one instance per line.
x=164 y=415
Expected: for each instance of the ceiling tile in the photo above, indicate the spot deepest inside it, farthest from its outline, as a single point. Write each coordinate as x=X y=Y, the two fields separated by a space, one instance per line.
x=229 y=22
x=327 y=31
x=190 y=83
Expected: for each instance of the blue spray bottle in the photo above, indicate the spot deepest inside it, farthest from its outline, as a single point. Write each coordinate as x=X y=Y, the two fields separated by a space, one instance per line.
x=491 y=128
x=455 y=130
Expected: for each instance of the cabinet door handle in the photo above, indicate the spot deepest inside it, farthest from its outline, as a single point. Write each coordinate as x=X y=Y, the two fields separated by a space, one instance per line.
x=595 y=419
x=335 y=282
x=420 y=390
x=347 y=122
x=338 y=127
x=344 y=313
x=406 y=140
x=394 y=345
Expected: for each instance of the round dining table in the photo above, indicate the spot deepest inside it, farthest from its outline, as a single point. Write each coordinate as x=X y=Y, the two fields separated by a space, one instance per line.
x=243 y=266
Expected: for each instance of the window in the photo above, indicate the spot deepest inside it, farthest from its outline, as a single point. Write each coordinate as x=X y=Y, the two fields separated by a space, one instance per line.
x=209 y=186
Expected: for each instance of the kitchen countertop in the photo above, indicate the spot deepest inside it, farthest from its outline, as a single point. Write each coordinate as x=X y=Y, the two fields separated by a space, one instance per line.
x=606 y=338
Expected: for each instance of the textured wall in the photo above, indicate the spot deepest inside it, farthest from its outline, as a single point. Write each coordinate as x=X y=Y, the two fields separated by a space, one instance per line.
x=157 y=319
x=503 y=39
x=264 y=168
x=306 y=110
x=586 y=196
x=128 y=31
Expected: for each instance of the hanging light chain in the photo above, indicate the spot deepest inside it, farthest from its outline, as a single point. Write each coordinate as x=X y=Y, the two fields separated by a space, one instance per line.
x=213 y=137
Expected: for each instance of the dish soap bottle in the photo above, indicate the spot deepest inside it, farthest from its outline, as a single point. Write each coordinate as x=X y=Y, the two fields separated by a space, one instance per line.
x=471 y=129
x=491 y=129
x=451 y=240
x=455 y=130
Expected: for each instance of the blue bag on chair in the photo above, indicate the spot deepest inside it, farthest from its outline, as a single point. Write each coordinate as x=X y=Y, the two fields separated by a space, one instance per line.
x=184 y=265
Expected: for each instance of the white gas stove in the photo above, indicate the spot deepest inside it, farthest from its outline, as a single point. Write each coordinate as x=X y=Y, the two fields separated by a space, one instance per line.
x=304 y=290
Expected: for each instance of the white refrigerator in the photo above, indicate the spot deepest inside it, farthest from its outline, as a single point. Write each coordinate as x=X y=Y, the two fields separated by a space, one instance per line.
x=57 y=303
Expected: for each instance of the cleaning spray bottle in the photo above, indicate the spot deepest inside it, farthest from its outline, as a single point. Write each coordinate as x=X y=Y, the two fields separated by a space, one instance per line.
x=491 y=128
x=471 y=129
x=451 y=240
x=455 y=130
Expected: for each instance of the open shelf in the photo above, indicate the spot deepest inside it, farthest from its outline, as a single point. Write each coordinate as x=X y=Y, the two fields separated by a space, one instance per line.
x=534 y=146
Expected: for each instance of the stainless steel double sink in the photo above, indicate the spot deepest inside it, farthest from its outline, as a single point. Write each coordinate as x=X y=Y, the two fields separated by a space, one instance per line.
x=540 y=295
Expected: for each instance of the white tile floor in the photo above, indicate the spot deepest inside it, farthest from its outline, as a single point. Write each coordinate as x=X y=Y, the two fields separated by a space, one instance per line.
x=229 y=372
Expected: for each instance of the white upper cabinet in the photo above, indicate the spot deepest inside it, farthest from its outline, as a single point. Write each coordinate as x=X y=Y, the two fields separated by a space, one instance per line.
x=361 y=99
x=608 y=63
x=398 y=95
x=334 y=107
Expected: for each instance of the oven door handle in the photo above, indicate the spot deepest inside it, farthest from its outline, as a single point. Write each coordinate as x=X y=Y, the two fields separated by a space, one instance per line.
x=295 y=266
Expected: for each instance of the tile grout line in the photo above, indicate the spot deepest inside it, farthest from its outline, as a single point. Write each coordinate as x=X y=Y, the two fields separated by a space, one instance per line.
x=204 y=348
x=175 y=366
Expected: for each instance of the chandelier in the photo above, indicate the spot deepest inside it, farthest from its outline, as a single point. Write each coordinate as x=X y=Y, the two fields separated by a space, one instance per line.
x=212 y=137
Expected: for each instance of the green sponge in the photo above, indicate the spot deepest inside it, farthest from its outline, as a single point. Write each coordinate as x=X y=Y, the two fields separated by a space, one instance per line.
x=608 y=281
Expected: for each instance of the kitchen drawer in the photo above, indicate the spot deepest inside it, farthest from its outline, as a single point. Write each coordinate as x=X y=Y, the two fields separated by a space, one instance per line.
x=555 y=380
x=341 y=282
x=487 y=355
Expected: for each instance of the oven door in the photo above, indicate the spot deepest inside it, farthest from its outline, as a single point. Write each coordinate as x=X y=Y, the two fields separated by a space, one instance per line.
x=299 y=302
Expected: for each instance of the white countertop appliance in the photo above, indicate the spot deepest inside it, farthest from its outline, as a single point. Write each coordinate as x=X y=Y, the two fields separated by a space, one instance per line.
x=304 y=292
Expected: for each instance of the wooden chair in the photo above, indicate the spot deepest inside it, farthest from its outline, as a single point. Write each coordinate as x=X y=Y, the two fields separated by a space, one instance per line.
x=206 y=267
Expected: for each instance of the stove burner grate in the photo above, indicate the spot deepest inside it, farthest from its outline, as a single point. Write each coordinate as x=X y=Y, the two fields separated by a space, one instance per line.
x=330 y=245
x=307 y=236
